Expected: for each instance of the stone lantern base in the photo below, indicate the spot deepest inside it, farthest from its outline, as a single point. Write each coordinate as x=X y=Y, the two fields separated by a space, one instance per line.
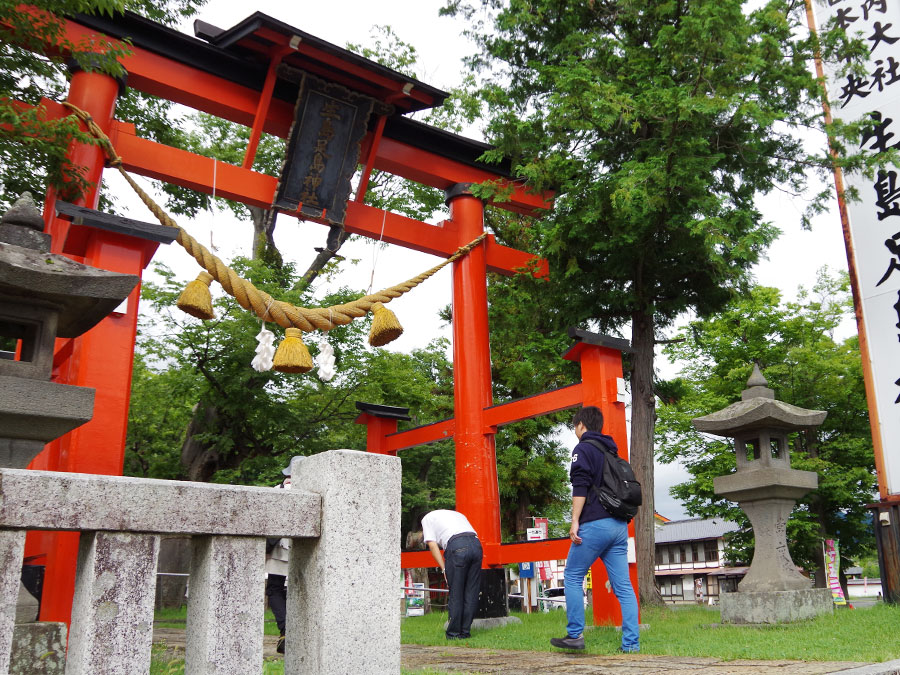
x=775 y=606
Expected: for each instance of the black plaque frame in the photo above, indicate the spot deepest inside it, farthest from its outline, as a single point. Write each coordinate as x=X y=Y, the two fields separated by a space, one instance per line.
x=323 y=150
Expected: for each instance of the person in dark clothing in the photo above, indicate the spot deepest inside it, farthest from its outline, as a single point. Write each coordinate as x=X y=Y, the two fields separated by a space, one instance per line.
x=595 y=534
x=277 y=556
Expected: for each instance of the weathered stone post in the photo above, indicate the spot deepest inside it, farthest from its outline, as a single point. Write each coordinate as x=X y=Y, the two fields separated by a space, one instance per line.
x=342 y=587
x=766 y=488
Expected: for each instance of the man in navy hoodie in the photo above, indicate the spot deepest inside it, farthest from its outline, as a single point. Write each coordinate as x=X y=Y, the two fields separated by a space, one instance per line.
x=595 y=534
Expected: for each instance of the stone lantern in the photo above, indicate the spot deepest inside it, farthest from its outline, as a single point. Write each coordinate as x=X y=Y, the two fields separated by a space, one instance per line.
x=43 y=296
x=766 y=488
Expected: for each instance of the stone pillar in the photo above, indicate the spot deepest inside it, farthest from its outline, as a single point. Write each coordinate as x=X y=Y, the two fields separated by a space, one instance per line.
x=225 y=606
x=772 y=567
x=112 y=611
x=343 y=587
x=12 y=544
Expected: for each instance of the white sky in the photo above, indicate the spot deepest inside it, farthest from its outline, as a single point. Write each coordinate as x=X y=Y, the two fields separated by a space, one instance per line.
x=793 y=260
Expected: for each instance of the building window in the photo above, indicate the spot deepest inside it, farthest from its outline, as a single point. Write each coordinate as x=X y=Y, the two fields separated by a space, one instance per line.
x=662 y=555
x=695 y=553
x=682 y=550
x=711 y=551
x=664 y=589
x=676 y=588
x=674 y=553
x=712 y=585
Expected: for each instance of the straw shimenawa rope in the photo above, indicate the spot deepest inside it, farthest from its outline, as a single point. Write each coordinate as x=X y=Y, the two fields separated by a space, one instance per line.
x=248 y=296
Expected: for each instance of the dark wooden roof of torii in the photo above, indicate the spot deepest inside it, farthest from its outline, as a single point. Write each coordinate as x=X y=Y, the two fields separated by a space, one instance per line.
x=241 y=54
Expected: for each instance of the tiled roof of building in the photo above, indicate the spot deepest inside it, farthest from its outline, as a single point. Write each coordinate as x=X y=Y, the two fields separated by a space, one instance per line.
x=693 y=529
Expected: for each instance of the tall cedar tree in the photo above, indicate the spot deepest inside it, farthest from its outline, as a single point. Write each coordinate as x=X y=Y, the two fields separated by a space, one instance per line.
x=658 y=123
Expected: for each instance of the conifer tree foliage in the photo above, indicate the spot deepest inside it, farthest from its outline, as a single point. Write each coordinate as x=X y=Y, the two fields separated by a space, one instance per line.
x=658 y=123
x=795 y=346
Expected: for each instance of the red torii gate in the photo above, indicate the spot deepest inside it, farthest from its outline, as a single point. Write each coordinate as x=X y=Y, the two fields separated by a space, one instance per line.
x=236 y=77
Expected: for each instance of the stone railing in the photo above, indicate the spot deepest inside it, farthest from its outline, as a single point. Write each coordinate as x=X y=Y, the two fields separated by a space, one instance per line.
x=343 y=514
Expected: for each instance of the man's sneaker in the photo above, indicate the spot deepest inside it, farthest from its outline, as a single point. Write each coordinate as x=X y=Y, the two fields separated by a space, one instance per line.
x=568 y=642
x=622 y=650
x=280 y=646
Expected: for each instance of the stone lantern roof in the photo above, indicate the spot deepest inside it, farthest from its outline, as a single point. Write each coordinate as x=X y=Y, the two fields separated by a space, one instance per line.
x=30 y=274
x=758 y=409
x=43 y=296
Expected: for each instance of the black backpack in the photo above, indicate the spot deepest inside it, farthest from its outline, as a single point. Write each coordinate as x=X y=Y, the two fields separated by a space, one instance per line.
x=619 y=493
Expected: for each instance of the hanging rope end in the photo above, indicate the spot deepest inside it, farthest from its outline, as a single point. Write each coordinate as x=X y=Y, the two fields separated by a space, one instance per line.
x=196 y=298
x=385 y=326
x=292 y=355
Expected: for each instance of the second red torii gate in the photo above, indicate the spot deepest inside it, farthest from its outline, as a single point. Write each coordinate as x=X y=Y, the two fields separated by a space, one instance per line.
x=600 y=358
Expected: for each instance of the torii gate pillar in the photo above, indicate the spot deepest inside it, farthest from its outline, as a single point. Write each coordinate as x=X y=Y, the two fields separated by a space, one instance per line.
x=101 y=359
x=477 y=491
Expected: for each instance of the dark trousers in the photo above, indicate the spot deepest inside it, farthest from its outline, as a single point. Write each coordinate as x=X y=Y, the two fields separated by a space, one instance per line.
x=276 y=592
x=462 y=560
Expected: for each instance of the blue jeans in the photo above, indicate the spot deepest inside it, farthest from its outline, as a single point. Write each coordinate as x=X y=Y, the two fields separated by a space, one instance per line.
x=462 y=560
x=606 y=539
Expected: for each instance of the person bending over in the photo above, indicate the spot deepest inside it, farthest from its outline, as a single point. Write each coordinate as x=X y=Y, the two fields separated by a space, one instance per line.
x=461 y=565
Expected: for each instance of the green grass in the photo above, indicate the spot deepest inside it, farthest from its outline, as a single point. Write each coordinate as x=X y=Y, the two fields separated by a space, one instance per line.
x=177 y=618
x=866 y=635
x=161 y=664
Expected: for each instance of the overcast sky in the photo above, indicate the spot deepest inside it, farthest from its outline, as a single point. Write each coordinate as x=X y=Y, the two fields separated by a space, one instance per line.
x=793 y=260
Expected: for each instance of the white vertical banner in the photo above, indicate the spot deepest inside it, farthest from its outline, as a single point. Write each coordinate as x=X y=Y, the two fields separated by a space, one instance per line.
x=875 y=219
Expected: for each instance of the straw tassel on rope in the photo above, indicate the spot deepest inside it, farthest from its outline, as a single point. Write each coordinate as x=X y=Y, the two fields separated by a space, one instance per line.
x=385 y=326
x=196 y=299
x=292 y=355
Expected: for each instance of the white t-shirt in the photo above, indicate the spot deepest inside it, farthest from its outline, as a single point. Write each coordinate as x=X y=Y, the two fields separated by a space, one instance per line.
x=440 y=525
x=277 y=558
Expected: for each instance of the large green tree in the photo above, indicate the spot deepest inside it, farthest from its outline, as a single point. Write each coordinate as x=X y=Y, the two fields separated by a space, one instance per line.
x=34 y=52
x=795 y=346
x=256 y=421
x=659 y=124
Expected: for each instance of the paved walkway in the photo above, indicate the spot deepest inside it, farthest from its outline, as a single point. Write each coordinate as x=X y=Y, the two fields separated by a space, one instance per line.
x=453 y=659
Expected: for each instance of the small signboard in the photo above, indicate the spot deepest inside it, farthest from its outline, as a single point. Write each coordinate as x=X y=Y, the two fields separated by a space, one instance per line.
x=526 y=570
x=415 y=601
x=535 y=534
x=832 y=565
x=544 y=568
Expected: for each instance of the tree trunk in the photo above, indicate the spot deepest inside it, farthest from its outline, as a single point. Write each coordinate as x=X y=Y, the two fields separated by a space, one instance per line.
x=199 y=461
x=264 y=248
x=318 y=264
x=522 y=513
x=643 y=419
